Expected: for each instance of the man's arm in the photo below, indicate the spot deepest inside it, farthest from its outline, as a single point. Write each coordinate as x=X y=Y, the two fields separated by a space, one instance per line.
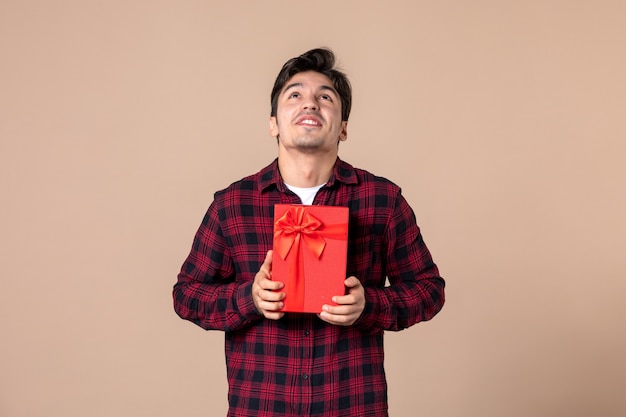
x=416 y=291
x=206 y=292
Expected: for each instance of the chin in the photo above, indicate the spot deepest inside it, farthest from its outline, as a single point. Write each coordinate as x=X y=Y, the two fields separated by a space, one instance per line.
x=312 y=143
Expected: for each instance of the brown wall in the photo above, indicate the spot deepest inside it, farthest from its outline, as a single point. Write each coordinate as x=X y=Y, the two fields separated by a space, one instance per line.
x=504 y=121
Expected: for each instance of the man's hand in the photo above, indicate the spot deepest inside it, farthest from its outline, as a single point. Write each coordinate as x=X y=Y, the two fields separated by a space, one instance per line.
x=350 y=305
x=265 y=293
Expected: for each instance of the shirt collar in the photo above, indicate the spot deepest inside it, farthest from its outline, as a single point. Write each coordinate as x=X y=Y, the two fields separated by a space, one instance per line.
x=270 y=175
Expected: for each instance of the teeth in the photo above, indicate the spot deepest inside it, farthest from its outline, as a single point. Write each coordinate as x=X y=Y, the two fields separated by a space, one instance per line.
x=309 y=122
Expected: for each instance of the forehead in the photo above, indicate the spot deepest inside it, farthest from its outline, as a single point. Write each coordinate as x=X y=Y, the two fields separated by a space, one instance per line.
x=309 y=79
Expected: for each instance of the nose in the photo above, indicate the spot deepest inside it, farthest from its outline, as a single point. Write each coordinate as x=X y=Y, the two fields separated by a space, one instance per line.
x=310 y=103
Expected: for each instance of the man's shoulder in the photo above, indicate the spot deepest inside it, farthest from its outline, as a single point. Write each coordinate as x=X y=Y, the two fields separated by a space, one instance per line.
x=245 y=185
x=369 y=179
x=248 y=184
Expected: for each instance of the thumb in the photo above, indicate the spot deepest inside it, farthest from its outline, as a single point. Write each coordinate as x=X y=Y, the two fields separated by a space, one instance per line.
x=352 y=282
x=268 y=259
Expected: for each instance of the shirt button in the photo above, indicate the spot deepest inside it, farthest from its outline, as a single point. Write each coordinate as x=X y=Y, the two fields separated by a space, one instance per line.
x=305 y=376
x=306 y=332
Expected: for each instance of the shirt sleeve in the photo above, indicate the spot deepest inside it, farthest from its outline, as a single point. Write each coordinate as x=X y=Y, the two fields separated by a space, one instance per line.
x=416 y=291
x=206 y=292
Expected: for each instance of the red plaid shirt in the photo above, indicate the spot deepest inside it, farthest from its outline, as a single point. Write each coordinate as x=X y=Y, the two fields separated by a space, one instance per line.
x=300 y=365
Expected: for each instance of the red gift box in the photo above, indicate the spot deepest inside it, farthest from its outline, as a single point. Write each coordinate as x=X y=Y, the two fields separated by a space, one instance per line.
x=310 y=253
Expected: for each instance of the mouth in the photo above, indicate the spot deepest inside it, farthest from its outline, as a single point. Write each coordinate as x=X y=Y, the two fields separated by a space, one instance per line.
x=309 y=121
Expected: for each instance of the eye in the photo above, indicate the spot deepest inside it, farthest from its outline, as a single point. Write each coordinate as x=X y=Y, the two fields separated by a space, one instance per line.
x=326 y=97
x=294 y=95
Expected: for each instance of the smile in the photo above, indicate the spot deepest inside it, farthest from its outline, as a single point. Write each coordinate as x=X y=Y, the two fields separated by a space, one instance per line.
x=309 y=121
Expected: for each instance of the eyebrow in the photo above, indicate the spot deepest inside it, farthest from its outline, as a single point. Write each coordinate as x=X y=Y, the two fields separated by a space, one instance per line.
x=323 y=88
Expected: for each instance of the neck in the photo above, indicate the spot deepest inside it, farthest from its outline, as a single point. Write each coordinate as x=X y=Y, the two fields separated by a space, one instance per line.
x=302 y=170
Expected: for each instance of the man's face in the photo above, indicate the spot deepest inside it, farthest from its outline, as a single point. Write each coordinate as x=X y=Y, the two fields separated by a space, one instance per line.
x=308 y=115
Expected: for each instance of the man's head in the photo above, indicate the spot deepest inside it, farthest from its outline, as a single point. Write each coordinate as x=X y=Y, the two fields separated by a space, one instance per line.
x=318 y=60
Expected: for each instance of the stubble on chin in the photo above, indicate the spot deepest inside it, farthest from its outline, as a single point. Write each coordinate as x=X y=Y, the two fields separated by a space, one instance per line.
x=304 y=143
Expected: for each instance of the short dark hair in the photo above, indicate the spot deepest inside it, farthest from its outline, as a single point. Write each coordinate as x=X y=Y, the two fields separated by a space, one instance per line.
x=320 y=60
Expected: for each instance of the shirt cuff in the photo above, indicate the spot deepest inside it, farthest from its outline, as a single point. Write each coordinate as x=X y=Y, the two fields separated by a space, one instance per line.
x=245 y=303
x=372 y=320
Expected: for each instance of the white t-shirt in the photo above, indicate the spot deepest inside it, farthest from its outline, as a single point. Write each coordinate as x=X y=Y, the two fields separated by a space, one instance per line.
x=307 y=195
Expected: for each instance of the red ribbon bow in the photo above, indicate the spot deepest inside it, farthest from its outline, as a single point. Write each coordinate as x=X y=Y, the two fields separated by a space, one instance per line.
x=296 y=225
x=290 y=230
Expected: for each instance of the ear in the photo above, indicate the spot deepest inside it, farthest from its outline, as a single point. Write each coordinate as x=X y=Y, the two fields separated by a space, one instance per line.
x=273 y=127
x=343 y=135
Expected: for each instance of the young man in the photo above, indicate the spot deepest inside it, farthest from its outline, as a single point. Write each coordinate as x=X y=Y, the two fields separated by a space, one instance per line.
x=299 y=364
